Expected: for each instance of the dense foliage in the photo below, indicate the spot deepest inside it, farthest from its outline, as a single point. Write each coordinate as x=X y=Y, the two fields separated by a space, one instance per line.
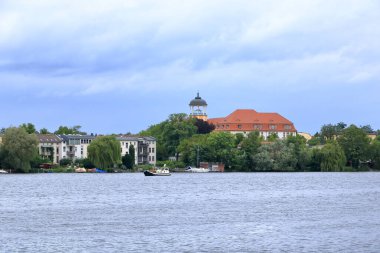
x=18 y=149
x=334 y=148
x=128 y=159
x=104 y=152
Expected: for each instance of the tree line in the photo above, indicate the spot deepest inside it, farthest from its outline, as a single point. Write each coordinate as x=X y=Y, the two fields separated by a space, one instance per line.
x=335 y=148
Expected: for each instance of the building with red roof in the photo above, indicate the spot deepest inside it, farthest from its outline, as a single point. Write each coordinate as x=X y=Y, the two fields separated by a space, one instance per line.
x=247 y=120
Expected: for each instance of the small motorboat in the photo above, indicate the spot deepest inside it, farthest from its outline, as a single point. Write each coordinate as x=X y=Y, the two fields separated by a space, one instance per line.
x=197 y=170
x=157 y=172
x=3 y=172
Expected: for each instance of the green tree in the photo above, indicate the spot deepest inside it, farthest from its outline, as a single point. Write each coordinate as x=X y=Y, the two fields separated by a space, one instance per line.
x=375 y=154
x=29 y=128
x=301 y=151
x=128 y=159
x=328 y=132
x=355 y=144
x=249 y=147
x=276 y=156
x=70 y=130
x=104 y=152
x=189 y=149
x=220 y=147
x=170 y=133
x=19 y=148
x=272 y=137
x=44 y=131
x=332 y=157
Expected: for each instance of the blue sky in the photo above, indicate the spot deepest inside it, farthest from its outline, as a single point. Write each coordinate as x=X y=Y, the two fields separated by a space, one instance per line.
x=120 y=66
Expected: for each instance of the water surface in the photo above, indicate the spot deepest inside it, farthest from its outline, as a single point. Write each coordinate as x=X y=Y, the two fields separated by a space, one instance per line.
x=206 y=212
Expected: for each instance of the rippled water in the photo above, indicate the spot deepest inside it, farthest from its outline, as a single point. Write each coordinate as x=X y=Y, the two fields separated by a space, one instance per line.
x=211 y=212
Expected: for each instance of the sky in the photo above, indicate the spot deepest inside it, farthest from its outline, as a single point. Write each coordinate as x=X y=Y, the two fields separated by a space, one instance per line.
x=119 y=66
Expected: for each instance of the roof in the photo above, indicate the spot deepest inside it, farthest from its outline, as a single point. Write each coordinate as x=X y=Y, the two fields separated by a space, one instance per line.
x=248 y=118
x=135 y=138
x=198 y=101
x=48 y=138
x=67 y=137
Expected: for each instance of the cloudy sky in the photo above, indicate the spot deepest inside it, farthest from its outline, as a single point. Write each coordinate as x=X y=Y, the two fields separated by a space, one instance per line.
x=121 y=65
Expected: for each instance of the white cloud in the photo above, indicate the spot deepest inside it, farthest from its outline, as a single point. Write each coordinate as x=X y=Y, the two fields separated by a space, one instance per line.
x=88 y=46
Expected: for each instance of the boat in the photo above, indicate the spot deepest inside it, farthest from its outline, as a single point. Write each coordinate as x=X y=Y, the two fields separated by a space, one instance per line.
x=80 y=170
x=3 y=172
x=157 y=172
x=197 y=170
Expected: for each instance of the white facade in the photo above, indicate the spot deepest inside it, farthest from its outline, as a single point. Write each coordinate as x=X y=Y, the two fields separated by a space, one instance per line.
x=75 y=146
x=266 y=134
x=145 y=148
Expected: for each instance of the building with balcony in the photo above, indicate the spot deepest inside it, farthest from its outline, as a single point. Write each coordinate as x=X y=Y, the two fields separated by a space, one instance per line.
x=145 y=148
x=247 y=120
x=75 y=146
x=49 y=147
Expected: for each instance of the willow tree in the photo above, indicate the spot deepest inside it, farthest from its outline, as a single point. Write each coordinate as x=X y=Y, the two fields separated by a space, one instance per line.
x=332 y=157
x=19 y=148
x=105 y=152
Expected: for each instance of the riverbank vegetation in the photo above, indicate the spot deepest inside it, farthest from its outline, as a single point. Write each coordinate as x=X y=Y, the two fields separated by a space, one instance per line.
x=335 y=148
x=183 y=141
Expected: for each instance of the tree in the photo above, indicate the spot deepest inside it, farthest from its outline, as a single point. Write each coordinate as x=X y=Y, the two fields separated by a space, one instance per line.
x=128 y=159
x=70 y=130
x=44 y=131
x=104 y=152
x=276 y=156
x=332 y=157
x=19 y=148
x=220 y=147
x=189 y=147
x=301 y=152
x=367 y=128
x=355 y=144
x=272 y=137
x=328 y=132
x=203 y=127
x=29 y=128
x=375 y=154
x=249 y=147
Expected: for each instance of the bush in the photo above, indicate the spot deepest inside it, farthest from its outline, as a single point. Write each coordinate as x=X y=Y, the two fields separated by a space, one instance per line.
x=65 y=162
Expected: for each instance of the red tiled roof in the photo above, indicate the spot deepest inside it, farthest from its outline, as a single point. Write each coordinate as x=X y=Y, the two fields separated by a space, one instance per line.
x=250 y=120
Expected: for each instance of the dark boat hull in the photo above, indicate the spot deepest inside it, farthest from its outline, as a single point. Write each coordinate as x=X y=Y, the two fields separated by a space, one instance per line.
x=149 y=173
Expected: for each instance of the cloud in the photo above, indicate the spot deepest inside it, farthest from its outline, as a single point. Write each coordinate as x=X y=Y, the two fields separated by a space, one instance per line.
x=89 y=47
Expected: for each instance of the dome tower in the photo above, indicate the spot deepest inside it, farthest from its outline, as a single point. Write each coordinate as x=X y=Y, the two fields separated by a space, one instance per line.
x=198 y=108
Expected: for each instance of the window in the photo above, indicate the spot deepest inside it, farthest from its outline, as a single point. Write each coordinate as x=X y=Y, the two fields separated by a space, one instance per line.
x=152 y=158
x=287 y=127
x=239 y=126
x=272 y=127
x=257 y=126
x=152 y=150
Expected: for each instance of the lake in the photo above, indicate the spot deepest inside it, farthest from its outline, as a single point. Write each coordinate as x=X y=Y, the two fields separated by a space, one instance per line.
x=199 y=212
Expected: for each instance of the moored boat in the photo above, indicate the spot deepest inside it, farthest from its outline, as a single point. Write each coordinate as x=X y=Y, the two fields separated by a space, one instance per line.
x=197 y=170
x=3 y=172
x=157 y=172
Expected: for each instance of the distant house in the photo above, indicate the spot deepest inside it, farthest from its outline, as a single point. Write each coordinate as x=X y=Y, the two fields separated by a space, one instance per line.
x=74 y=146
x=247 y=120
x=145 y=148
x=49 y=147
x=307 y=136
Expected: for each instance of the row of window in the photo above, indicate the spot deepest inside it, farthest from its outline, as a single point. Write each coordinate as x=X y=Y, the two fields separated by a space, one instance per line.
x=151 y=158
x=255 y=127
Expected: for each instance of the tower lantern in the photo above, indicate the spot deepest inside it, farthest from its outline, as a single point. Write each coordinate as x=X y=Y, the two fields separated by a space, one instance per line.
x=198 y=108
